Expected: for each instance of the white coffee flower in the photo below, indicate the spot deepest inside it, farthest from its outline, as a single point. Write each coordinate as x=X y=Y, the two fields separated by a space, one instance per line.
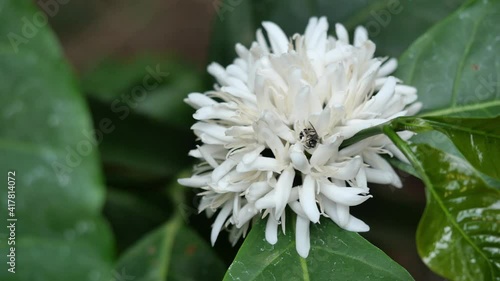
x=273 y=127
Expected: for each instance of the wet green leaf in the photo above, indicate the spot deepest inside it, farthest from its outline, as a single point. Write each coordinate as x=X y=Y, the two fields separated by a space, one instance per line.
x=171 y=252
x=335 y=254
x=60 y=233
x=459 y=234
x=478 y=140
x=455 y=65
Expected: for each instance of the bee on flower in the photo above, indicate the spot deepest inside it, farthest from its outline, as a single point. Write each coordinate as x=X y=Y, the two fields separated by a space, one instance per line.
x=271 y=131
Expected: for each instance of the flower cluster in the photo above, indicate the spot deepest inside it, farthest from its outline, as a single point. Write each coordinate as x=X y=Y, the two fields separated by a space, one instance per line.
x=273 y=127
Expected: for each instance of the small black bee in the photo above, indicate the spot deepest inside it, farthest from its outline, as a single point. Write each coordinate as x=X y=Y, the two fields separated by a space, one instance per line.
x=309 y=137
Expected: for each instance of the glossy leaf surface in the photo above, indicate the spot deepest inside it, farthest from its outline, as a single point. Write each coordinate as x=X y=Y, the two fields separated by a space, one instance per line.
x=59 y=188
x=455 y=65
x=335 y=254
x=459 y=234
x=478 y=140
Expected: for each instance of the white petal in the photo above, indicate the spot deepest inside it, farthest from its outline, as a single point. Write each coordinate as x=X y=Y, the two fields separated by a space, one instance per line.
x=302 y=239
x=237 y=83
x=356 y=225
x=330 y=209
x=252 y=155
x=217 y=71
x=345 y=170
x=343 y=214
x=237 y=72
x=377 y=162
x=322 y=125
x=267 y=136
x=378 y=101
x=353 y=223
x=283 y=222
x=262 y=41
x=256 y=190
x=278 y=126
x=409 y=93
x=246 y=214
x=414 y=108
x=350 y=196
x=338 y=54
x=267 y=201
x=211 y=133
x=324 y=152
x=356 y=125
x=310 y=28
x=397 y=153
x=388 y=67
x=236 y=206
x=240 y=131
x=361 y=180
x=278 y=39
x=260 y=164
x=299 y=160
x=272 y=230
x=294 y=194
x=197 y=100
x=283 y=190
x=207 y=153
x=216 y=151
x=307 y=196
x=241 y=50
x=302 y=108
x=360 y=36
x=317 y=39
x=240 y=93
x=219 y=221
x=297 y=208
x=379 y=176
x=342 y=34
x=195 y=181
x=226 y=184
x=354 y=149
x=223 y=169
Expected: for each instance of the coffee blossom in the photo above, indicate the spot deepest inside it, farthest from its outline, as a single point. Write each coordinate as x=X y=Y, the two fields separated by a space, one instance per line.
x=272 y=131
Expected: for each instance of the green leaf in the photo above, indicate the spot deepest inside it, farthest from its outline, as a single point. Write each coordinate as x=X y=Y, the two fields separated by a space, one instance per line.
x=455 y=66
x=59 y=188
x=172 y=252
x=335 y=254
x=459 y=234
x=477 y=139
x=392 y=24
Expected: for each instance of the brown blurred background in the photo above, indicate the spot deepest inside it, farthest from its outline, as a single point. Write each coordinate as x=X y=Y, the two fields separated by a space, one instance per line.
x=91 y=30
